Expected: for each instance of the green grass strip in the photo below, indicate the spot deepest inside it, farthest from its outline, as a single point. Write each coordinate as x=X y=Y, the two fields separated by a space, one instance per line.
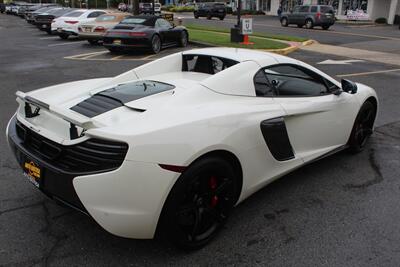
x=223 y=39
x=264 y=35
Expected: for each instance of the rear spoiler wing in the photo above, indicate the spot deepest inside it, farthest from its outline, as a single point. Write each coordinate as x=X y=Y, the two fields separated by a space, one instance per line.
x=73 y=118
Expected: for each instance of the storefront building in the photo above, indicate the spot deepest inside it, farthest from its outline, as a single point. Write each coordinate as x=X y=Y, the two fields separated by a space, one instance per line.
x=345 y=9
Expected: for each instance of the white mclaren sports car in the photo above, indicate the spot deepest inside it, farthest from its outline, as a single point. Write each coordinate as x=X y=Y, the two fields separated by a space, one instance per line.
x=169 y=148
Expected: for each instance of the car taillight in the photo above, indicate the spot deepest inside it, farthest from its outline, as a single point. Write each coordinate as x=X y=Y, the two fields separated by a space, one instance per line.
x=318 y=15
x=99 y=29
x=79 y=29
x=137 y=34
x=71 y=21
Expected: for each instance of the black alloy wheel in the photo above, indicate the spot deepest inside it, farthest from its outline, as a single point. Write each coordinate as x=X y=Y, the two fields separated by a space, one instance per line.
x=309 y=24
x=64 y=36
x=199 y=203
x=284 y=22
x=363 y=127
x=155 y=44
x=93 y=42
x=183 y=41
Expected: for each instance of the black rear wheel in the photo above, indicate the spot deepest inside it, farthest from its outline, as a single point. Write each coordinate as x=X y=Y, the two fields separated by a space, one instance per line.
x=64 y=36
x=199 y=203
x=309 y=24
x=284 y=22
x=183 y=41
x=93 y=42
x=156 y=44
x=362 y=128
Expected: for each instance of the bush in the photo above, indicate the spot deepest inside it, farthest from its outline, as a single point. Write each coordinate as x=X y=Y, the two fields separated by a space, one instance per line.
x=249 y=12
x=381 y=21
x=182 y=9
x=167 y=7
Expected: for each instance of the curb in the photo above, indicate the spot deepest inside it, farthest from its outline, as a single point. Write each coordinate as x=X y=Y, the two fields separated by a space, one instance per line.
x=283 y=51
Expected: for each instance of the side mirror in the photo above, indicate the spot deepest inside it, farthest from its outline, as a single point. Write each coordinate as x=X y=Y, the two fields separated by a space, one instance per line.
x=349 y=86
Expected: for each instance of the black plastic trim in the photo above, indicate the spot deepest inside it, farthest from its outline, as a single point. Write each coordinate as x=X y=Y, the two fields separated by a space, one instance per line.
x=277 y=139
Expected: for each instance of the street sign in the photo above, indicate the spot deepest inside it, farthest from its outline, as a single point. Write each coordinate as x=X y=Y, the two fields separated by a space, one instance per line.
x=169 y=17
x=246 y=26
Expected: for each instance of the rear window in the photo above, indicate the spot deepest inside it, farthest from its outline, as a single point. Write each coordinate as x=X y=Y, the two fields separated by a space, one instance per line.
x=314 y=9
x=146 y=5
x=326 y=9
x=135 y=90
x=304 y=8
x=106 y=18
x=133 y=21
x=74 y=14
x=219 y=5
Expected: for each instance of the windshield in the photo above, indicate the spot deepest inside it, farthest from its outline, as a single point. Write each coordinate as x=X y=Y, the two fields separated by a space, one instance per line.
x=135 y=90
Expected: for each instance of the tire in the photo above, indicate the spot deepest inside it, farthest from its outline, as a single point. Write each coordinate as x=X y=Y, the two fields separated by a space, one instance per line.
x=362 y=128
x=325 y=27
x=113 y=50
x=183 y=40
x=156 y=44
x=63 y=36
x=299 y=25
x=209 y=16
x=199 y=203
x=196 y=16
x=93 y=42
x=284 y=22
x=309 y=24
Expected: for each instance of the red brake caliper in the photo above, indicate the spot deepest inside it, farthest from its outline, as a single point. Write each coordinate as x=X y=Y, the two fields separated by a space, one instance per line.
x=213 y=186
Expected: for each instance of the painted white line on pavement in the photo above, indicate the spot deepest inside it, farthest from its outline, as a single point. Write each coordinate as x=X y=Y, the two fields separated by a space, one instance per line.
x=51 y=37
x=367 y=73
x=69 y=43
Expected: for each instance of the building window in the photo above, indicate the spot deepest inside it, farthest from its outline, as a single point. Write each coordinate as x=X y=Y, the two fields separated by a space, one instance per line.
x=266 y=5
x=354 y=5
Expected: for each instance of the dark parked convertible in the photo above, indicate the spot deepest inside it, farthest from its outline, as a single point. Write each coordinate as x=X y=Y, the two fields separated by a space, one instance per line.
x=144 y=32
x=43 y=21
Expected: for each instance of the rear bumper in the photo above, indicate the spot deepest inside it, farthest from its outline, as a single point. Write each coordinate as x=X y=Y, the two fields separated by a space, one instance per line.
x=56 y=184
x=86 y=36
x=126 y=43
x=126 y=202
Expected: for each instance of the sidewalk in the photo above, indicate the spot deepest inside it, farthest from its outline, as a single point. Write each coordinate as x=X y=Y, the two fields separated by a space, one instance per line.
x=381 y=57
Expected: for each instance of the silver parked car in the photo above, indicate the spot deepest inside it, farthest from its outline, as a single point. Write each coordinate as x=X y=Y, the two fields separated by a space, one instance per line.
x=310 y=16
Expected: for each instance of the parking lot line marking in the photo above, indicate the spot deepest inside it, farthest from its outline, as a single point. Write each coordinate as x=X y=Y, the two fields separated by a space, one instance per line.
x=117 y=57
x=69 y=43
x=147 y=57
x=367 y=73
x=51 y=37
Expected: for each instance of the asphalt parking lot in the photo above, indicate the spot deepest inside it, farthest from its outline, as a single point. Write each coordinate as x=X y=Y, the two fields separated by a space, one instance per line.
x=340 y=211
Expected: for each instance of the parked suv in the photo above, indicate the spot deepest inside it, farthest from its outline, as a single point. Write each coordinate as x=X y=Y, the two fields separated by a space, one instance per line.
x=210 y=10
x=310 y=16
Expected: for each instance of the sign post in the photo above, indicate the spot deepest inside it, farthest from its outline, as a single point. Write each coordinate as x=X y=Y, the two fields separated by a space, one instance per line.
x=246 y=28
